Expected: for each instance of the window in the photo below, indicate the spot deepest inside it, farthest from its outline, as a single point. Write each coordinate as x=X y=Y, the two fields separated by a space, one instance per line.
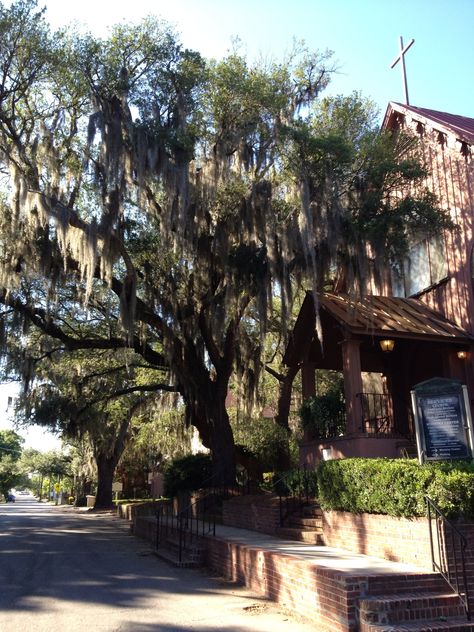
x=424 y=266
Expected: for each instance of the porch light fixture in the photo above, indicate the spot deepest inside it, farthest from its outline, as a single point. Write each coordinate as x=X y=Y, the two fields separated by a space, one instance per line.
x=462 y=355
x=387 y=345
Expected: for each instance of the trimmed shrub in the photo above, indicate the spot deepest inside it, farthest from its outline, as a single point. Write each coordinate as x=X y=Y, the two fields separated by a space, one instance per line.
x=187 y=474
x=396 y=486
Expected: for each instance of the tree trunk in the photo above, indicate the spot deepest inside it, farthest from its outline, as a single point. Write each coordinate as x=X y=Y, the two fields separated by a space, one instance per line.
x=105 y=476
x=205 y=394
x=222 y=446
x=283 y=461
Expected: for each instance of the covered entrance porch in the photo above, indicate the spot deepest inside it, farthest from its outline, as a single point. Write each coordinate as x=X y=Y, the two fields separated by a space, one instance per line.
x=377 y=383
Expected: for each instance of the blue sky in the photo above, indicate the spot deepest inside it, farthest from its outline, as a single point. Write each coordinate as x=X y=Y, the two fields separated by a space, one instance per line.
x=364 y=35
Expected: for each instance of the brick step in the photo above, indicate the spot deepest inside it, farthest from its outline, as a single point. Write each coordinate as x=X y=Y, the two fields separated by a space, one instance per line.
x=431 y=625
x=171 y=557
x=311 y=511
x=410 y=583
x=192 y=554
x=304 y=523
x=393 y=609
x=172 y=542
x=301 y=535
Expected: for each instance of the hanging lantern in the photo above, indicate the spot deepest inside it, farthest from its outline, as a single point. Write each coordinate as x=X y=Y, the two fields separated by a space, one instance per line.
x=387 y=345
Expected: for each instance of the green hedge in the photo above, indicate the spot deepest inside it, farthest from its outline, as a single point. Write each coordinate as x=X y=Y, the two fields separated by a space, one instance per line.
x=396 y=486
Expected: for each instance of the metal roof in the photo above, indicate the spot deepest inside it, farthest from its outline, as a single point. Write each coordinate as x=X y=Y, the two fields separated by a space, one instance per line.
x=461 y=126
x=388 y=315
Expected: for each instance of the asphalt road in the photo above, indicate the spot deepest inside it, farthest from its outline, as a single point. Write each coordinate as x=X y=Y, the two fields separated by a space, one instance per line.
x=64 y=571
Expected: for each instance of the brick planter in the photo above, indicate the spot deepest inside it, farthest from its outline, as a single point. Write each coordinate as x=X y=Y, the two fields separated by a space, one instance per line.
x=395 y=539
x=256 y=512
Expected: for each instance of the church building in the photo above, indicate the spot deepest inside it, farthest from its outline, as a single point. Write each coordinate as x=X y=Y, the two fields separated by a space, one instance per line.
x=419 y=327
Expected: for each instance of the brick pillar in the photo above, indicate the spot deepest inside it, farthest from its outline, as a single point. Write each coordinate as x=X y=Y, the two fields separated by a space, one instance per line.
x=352 y=384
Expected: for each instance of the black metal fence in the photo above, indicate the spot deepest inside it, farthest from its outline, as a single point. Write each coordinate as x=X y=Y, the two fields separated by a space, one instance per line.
x=295 y=489
x=377 y=415
x=448 y=547
x=196 y=519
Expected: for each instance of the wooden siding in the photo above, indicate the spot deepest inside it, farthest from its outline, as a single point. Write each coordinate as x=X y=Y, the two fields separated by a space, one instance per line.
x=451 y=178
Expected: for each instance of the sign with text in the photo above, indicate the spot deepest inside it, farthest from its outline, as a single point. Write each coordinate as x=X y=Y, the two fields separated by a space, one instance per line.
x=442 y=420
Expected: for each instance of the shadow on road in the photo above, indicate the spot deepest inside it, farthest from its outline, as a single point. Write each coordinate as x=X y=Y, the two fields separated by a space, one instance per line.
x=67 y=570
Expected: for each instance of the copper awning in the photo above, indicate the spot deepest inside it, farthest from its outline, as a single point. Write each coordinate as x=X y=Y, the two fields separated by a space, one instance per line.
x=370 y=316
x=389 y=315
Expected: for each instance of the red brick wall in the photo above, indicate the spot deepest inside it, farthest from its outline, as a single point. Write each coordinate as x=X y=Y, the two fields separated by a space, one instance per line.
x=328 y=597
x=396 y=539
x=257 y=513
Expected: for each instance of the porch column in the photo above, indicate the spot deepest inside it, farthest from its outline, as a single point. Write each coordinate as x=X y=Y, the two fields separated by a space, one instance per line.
x=462 y=370
x=308 y=380
x=352 y=384
x=399 y=382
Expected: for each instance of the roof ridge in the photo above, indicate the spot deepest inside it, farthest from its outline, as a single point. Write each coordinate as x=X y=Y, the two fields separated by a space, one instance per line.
x=461 y=126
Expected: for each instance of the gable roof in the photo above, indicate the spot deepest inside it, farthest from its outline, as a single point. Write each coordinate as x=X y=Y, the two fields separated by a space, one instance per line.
x=373 y=316
x=394 y=316
x=461 y=126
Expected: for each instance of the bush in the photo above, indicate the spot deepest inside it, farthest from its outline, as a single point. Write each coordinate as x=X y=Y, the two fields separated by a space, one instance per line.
x=292 y=482
x=396 y=486
x=261 y=437
x=324 y=416
x=187 y=474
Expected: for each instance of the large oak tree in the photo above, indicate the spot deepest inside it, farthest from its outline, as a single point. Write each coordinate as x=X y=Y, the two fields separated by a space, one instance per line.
x=176 y=196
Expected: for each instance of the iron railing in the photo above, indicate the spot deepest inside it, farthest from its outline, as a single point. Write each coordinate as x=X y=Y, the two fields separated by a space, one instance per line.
x=294 y=490
x=377 y=418
x=448 y=557
x=197 y=519
x=188 y=524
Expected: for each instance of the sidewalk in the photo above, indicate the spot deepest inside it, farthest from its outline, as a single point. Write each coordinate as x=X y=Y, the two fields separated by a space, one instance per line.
x=323 y=556
x=334 y=589
x=325 y=585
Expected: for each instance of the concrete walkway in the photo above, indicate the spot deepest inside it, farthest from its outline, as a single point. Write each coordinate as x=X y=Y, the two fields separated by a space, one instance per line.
x=320 y=555
x=320 y=583
x=324 y=556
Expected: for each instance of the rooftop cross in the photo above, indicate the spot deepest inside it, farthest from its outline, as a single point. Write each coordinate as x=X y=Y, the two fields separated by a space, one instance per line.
x=401 y=57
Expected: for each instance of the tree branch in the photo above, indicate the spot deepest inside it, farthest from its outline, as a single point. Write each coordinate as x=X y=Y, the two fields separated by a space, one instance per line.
x=40 y=319
x=144 y=388
x=274 y=373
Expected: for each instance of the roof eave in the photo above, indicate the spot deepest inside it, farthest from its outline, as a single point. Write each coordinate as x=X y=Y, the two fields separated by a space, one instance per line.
x=446 y=129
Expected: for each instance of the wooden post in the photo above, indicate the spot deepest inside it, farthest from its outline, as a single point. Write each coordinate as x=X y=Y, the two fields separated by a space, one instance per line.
x=308 y=380
x=462 y=370
x=352 y=384
x=399 y=384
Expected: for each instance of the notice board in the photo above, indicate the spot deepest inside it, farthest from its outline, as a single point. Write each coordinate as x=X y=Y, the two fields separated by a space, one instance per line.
x=442 y=420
